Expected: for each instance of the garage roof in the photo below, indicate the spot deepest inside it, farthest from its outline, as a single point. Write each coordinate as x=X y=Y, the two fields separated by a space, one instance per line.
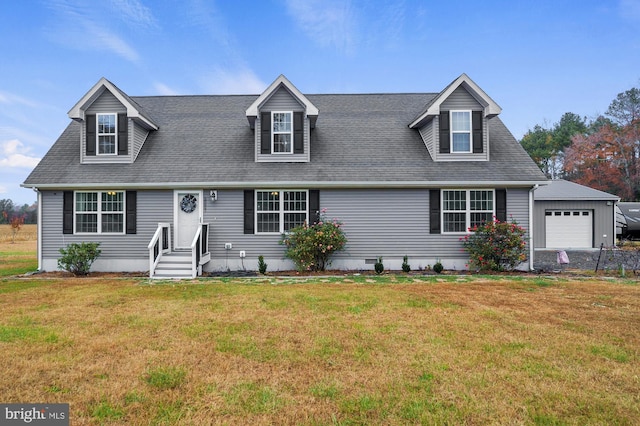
x=563 y=190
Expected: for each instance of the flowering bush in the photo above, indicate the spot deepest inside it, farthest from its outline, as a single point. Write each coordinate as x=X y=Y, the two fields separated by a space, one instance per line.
x=311 y=246
x=495 y=246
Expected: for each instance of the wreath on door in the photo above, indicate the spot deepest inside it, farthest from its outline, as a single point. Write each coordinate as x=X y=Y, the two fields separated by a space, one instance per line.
x=189 y=203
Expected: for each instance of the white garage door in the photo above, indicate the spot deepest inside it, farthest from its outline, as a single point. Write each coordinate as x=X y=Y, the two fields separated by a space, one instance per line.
x=569 y=229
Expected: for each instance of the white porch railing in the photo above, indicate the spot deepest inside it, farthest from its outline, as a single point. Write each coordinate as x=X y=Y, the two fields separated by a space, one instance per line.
x=159 y=245
x=200 y=249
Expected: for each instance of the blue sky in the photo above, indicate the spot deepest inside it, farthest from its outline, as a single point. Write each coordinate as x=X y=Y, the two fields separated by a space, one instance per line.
x=536 y=59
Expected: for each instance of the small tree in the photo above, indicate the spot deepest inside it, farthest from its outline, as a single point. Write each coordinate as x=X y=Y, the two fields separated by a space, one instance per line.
x=495 y=246
x=16 y=223
x=78 y=258
x=405 y=264
x=311 y=246
x=262 y=266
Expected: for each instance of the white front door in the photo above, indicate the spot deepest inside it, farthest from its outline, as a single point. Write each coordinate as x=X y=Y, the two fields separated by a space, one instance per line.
x=188 y=214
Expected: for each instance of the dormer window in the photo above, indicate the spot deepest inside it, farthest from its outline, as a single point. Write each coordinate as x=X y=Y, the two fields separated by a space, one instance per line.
x=461 y=131
x=107 y=134
x=282 y=132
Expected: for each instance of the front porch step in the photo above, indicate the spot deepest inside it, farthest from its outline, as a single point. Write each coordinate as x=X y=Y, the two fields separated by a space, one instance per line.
x=175 y=265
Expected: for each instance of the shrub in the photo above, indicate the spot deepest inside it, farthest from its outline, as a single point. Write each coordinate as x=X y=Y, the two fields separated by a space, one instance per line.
x=379 y=266
x=495 y=246
x=78 y=258
x=438 y=268
x=405 y=264
x=262 y=267
x=311 y=246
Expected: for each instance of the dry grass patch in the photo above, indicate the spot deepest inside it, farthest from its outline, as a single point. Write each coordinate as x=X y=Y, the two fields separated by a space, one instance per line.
x=381 y=350
x=348 y=350
x=19 y=256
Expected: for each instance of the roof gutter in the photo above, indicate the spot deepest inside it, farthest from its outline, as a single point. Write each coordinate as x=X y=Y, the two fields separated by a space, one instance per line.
x=286 y=185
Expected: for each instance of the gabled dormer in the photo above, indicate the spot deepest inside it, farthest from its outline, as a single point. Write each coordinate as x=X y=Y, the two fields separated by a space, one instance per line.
x=114 y=127
x=453 y=125
x=284 y=118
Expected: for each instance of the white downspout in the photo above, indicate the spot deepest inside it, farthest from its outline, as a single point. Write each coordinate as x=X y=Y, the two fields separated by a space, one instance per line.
x=39 y=229
x=531 y=252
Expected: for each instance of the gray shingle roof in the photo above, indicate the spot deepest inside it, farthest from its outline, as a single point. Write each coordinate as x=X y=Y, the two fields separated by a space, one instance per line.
x=565 y=190
x=358 y=140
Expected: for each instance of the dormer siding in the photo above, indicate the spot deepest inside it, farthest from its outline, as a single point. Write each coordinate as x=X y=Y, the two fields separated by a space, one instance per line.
x=281 y=100
x=459 y=100
x=106 y=103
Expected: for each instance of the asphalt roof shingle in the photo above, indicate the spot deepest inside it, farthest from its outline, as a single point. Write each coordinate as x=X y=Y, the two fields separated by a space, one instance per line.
x=358 y=139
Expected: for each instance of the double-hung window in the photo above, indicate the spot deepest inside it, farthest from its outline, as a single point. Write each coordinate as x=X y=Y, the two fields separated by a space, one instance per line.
x=99 y=212
x=461 y=131
x=107 y=133
x=465 y=209
x=280 y=211
x=282 y=132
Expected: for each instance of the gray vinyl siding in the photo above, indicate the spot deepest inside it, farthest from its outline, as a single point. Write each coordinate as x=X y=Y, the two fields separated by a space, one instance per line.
x=139 y=137
x=152 y=207
x=390 y=223
x=460 y=99
x=226 y=220
x=374 y=223
x=603 y=220
x=427 y=132
x=282 y=100
x=106 y=103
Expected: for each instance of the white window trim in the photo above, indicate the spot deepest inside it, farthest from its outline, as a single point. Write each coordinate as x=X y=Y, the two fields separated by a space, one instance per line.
x=98 y=134
x=281 y=210
x=273 y=133
x=452 y=132
x=467 y=210
x=99 y=212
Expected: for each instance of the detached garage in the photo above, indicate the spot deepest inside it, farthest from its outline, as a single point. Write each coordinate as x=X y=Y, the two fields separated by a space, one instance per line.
x=570 y=216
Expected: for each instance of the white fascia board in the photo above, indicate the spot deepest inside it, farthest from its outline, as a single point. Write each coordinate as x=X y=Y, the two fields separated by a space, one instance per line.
x=310 y=109
x=290 y=184
x=490 y=107
x=78 y=110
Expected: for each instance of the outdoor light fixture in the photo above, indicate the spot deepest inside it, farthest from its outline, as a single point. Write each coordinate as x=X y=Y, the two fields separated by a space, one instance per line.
x=213 y=194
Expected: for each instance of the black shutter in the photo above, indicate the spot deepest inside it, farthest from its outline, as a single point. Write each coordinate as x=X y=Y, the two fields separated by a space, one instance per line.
x=298 y=139
x=132 y=217
x=434 y=211
x=67 y=212
x=445 y=145
x=123 y=134
x=476 y=122
x=248 y=211
x=314 y=206
x=265 y=133
x=501 y=205
x=91 y=134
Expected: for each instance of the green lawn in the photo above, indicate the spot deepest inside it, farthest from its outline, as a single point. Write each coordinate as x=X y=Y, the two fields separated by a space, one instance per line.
x=347 y=350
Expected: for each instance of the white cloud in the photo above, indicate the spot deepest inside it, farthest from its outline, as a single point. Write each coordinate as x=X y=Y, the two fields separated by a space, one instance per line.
x=82 y=26
x=134 y=13
x=233 y=82
x=3 y=189
x=15 y=154
x=11 y=99
x=165 y=90
x=105 y=40
x=327 y=22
